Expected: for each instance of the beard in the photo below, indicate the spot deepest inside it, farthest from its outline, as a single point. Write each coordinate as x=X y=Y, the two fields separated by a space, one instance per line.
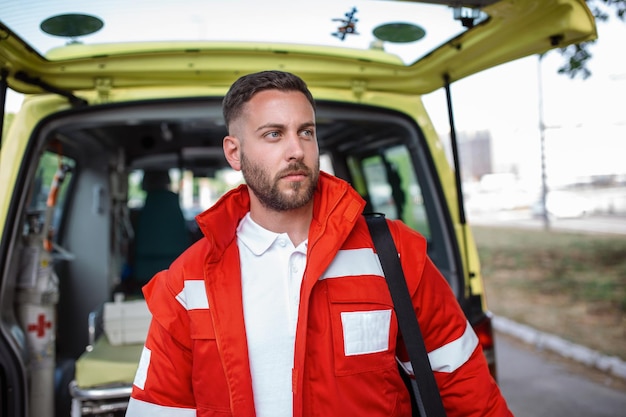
x=267 y=190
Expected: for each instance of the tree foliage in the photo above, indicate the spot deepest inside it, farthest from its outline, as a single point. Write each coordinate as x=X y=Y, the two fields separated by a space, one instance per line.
x=577 y=56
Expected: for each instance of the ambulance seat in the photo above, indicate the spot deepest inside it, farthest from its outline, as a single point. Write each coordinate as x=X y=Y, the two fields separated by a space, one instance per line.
x=161 y=233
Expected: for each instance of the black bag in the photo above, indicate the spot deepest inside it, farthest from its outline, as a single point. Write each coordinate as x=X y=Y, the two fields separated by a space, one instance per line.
x=425 y=396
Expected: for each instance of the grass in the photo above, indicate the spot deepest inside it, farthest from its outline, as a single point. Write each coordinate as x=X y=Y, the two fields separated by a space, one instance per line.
x=572 y=285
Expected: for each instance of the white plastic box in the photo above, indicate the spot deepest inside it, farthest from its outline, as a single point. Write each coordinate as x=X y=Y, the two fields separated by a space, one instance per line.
x=126 y=322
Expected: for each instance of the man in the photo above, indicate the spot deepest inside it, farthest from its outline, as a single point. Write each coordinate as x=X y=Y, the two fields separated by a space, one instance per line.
x=282 y=309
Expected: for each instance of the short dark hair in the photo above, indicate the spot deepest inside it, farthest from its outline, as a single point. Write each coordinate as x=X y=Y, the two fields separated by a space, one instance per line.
x=248 y=85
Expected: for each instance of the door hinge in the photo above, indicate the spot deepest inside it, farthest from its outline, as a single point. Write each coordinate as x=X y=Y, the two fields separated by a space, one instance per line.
x=103 y=87
x=359 y=87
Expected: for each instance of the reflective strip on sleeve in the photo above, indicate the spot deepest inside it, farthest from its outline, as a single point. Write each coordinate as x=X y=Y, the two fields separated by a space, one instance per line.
x=193 y=296
x=142 y=368
x=138 y=408
x=354 y=262
x=407 y=367
x=453 y=355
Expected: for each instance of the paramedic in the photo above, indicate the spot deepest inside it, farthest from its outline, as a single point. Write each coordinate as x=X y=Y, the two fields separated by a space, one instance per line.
x=281 y=309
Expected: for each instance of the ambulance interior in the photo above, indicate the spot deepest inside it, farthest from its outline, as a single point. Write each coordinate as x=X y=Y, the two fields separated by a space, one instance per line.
x=103 y=154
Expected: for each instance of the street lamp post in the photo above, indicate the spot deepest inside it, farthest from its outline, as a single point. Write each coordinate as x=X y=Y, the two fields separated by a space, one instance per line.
x=542 y=132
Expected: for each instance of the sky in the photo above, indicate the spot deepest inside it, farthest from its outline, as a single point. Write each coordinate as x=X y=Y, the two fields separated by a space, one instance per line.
x=585 y=119
x=586 y=123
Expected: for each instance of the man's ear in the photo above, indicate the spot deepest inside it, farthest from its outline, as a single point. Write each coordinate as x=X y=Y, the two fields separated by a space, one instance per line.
x=232 y=152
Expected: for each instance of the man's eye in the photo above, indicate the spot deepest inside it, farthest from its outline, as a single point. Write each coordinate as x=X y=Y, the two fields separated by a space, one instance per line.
x=272 y=135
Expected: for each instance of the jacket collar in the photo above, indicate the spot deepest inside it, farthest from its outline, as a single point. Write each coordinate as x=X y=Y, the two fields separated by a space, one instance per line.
x=336 y=206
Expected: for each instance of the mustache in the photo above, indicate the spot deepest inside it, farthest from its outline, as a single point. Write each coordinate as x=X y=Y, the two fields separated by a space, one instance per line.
x=293 y=168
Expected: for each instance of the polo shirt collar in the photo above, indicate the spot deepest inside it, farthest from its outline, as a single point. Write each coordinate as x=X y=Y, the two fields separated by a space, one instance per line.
x=256 y=238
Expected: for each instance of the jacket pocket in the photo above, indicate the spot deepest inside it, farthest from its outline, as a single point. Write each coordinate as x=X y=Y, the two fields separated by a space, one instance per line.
x=201 y=324
x=363 y=324
x=208 y=377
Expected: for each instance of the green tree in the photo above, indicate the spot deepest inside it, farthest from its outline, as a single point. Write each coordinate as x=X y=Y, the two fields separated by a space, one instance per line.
x=577 y=56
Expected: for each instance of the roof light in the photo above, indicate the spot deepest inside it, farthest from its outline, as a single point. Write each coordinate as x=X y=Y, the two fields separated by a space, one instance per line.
x=71 y=26
x=399 y=32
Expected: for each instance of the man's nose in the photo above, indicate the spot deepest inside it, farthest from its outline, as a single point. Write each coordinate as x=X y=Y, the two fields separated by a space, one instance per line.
x=295 y=147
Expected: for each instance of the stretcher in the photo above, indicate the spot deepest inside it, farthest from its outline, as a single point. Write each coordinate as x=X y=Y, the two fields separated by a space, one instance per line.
x=105 y=371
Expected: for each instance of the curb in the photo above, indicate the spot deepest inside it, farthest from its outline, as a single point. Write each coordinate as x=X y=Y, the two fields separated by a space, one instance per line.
x=612 y=365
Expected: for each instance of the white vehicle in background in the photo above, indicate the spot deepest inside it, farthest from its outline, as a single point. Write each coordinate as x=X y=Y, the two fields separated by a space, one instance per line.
x=563 y=204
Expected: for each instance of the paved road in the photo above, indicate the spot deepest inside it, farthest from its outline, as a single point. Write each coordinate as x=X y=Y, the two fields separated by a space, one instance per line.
x=539 y=384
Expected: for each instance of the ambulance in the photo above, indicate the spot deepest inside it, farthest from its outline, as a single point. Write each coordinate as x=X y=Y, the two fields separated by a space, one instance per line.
x=122 y=99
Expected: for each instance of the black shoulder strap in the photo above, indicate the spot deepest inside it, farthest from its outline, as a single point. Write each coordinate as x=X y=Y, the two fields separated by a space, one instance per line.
x=424 y=386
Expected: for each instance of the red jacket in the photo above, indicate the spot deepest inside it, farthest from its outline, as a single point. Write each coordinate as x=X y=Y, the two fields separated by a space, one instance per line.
x=195 y=359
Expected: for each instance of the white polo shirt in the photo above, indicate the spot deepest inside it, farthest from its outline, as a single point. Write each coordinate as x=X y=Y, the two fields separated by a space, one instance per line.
x=271 y=274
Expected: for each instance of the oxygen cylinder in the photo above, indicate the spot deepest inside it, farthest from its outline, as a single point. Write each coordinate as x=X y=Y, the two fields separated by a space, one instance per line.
x=37 y=297
x=36 y=312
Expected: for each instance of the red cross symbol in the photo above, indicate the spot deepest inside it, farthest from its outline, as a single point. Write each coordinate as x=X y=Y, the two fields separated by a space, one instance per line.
x=41 y=326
